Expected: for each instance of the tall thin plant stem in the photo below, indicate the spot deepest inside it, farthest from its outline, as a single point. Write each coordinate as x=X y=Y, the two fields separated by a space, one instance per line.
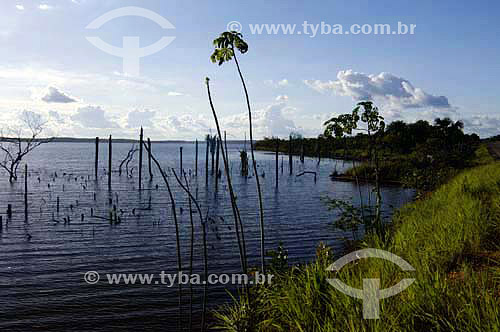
x=242 y=230
x=259 y=191
x=191 y=254
x=205 y=252
x=357 y=184
x=230 y=186
x=174 y=210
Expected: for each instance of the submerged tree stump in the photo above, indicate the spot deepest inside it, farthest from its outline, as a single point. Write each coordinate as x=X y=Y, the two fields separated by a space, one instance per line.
x=149 y=161
x=277 y=161
x=196 y=159
x=96 y=167
x=206 y=161
x=217 y=165
x=110 y=155
x=26 y=191
x=181 y=168
x=141 y=140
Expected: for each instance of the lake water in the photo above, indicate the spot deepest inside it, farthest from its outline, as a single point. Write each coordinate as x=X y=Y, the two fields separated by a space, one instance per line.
x=43 y=259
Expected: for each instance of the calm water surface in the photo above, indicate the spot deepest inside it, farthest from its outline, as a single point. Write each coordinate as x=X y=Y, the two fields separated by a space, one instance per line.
x=43 y=260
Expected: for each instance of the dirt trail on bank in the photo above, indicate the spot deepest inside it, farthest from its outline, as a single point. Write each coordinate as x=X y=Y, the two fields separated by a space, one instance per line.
x=494 y=148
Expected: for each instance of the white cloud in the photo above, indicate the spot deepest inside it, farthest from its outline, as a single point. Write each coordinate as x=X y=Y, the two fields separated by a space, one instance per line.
x=89 y=121
x=93 y=117
x=136 y=119
x=53 y=95
x=44 y=6
x=20 y=7
x=187 y=124
x=123 y=103
x=386 y=88
x=269 y=121
x=483 y=125
x=108 y=90
x=56 y=117
x=277 y=84
x=283 y=82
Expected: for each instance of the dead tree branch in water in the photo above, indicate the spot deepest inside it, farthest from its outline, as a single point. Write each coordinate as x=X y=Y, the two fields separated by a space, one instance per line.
x=15 y=148
x=307 y=172
x=127 y=159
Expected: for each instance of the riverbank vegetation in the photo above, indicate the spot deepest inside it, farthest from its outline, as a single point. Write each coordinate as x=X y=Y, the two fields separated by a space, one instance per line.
x=451 y=238
x=420 y=155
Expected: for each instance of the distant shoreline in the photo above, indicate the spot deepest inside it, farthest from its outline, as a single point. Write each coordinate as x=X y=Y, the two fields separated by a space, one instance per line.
x=105 y=140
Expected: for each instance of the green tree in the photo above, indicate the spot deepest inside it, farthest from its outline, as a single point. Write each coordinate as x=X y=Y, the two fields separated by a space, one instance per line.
x=344 y=125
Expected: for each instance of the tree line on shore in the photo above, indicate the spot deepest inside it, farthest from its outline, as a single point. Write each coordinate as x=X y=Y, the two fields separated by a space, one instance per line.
x=418 y=154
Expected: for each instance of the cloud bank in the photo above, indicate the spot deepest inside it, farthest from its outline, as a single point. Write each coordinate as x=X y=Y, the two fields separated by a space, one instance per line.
x=93 y=117
x=137 y=118
x=271 y=120
x=385 y=88
x=484 y=125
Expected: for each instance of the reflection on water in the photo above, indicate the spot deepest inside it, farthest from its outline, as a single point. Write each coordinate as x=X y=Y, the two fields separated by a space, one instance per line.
x=43 y=260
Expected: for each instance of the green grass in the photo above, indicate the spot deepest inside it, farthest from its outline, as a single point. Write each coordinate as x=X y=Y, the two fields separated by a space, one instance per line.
x=483 y=156
x=452 y=238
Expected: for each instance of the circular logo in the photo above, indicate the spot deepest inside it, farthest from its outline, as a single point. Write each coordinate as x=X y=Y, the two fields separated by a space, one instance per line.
x=91 y=277
x=234 y=26
x=131 y=52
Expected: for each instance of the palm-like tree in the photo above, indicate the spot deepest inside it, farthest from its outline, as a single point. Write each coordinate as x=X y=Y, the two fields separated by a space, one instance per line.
x=225 y=46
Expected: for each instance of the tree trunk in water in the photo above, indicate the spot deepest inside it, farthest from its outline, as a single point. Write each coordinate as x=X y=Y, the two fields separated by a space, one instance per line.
x=12 y=177
x=277 y=161
x=302 y=151
x=196 y=160
x=217 y=166
x=227 y=153
x=206 y=163
x=212 y=153
x=25 y=192
x=110 y=154
x=318 y=149
x=180 y=163
x=149 y=160
x=141 y=140
x=96 y=168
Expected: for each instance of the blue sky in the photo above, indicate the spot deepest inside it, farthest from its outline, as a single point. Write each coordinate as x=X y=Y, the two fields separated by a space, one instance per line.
x=448 y=67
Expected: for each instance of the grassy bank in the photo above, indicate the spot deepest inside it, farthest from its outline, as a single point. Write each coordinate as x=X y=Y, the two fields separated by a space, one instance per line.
x=452 y=238
x=422 y=174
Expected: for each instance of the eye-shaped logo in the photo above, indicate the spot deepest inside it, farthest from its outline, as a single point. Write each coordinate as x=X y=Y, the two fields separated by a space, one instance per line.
x=371 y=292
x=131 y=51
